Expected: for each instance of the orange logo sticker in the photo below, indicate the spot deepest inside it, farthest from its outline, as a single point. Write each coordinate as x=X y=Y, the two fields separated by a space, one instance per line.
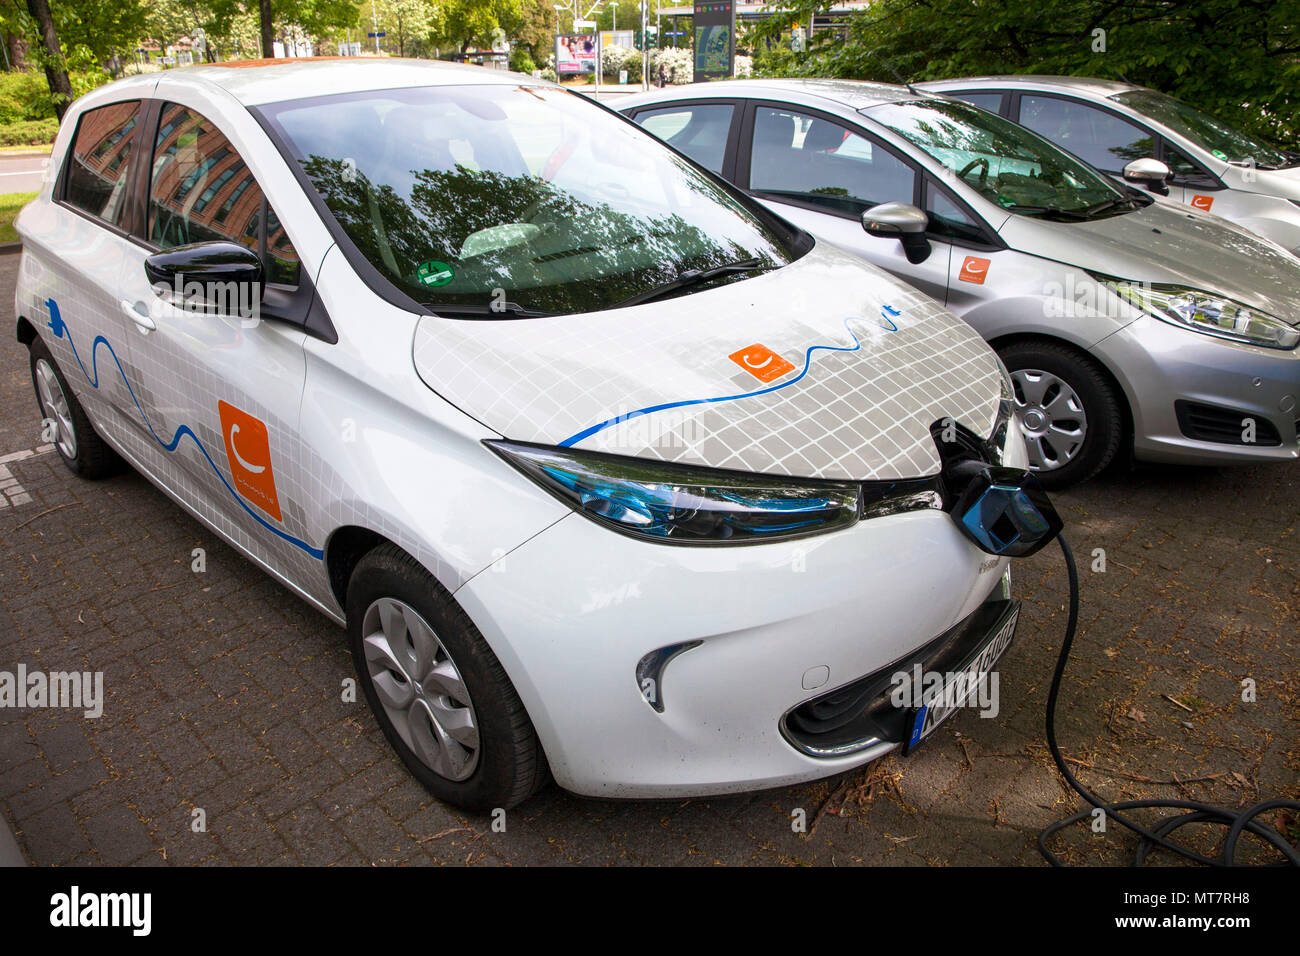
x=1203 y=203
x=248 y=449
x=761 y=362
x=974 y=269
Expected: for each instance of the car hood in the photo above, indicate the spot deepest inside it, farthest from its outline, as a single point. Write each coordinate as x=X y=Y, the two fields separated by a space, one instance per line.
x=850 y=369
x=1170 y=242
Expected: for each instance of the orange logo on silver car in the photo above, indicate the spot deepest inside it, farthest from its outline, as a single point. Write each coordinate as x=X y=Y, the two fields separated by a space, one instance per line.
x=248 y=448
x=1203 y=203
x=974 y=269
x=761 y=362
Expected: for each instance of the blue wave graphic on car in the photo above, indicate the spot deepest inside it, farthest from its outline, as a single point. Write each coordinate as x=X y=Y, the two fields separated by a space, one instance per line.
x=887 y=314
x=60 y=330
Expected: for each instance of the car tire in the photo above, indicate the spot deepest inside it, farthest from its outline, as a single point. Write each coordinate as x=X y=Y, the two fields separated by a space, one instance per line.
x=78 y=444
x=430 y=678
x=1071 y=413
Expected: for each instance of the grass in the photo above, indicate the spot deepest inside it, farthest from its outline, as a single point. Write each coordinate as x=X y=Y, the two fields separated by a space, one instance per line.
x=10 y=204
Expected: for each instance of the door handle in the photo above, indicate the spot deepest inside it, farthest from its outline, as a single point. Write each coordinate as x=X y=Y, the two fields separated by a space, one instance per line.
x=142 y=319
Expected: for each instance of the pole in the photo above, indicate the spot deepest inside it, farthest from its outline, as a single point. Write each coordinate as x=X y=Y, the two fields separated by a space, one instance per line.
x=645 y=44
x=374 y=22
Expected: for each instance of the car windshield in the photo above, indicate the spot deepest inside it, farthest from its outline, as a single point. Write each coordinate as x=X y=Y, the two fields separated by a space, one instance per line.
x=1211 y=134
x=509 y=199
x=1006 y=163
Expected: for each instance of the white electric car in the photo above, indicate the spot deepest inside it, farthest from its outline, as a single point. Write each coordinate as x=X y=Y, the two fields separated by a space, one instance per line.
x=606 y=469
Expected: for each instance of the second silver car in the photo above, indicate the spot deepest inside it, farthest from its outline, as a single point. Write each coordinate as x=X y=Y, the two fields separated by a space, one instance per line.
x=1125 y=319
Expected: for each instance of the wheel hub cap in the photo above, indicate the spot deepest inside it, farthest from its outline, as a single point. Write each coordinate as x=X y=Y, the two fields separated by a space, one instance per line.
x=54 y=405
x=420 y=688
x=1051 y=416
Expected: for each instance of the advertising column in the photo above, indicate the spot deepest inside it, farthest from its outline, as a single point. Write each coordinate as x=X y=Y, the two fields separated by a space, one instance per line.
x=715 y=40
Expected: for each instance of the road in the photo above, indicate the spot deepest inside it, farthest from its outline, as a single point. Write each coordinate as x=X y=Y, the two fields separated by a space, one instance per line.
x=223 y=704
x=21 y=172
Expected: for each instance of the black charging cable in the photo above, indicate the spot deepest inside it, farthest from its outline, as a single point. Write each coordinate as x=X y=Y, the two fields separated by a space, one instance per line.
x=1236 y=821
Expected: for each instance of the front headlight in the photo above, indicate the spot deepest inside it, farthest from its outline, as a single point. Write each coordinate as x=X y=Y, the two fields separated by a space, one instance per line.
x=1206 y=312
x=683 y=504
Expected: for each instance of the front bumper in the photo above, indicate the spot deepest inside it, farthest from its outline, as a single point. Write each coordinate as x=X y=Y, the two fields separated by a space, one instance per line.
x=1162 y=365
x=572 y=613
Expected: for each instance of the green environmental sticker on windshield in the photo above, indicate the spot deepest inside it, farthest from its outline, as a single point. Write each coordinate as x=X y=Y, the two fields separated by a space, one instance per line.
x=435 y=273
x=1221 y=154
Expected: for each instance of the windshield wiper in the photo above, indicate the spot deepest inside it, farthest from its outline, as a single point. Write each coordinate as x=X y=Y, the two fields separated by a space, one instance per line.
x=688 y=277
x=1050 y=212
x=1109 y=204
x=501 y=310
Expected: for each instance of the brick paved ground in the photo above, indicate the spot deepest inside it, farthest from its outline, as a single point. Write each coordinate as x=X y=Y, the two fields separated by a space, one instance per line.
x=222 y=694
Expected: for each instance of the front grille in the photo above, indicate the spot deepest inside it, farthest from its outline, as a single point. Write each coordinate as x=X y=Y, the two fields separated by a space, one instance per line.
x=1224 y=426
x=859 y=714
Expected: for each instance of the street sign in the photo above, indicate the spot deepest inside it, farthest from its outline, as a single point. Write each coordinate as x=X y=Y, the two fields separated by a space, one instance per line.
x=381 y=33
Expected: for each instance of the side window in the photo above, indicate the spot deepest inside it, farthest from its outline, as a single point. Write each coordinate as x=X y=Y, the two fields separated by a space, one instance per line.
x=985 y=101
x=100 y=160
x=1186 y=171
x=201 y=190
x=808 y=158
x=947 y=219
x=699 y=131
x=1095 y=136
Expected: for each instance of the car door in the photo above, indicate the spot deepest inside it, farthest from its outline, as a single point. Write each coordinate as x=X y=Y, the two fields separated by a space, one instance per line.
x=220 y=382
x=1109 y=141
x=820 y=174
x=74 y=254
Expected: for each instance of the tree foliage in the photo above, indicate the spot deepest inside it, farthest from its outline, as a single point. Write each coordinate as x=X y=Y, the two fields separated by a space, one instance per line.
x=474 y=23
x=1239 y=59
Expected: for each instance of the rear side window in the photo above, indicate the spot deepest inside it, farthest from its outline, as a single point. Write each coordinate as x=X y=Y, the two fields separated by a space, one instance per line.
x=201 y=190
x=985 y=101
x=699 y=131
x=816 y=161
x=1095 y=136
x=100 y=160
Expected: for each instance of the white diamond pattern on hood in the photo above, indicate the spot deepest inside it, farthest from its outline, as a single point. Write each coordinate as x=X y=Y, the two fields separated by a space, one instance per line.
x=875 y=364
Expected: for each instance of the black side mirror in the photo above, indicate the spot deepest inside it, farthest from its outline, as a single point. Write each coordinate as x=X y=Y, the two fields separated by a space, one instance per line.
x=221 y=277
x=1151 y=173
x=901 y=221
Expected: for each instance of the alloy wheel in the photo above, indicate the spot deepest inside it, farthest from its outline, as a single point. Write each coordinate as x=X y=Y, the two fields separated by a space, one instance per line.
x=55 y=406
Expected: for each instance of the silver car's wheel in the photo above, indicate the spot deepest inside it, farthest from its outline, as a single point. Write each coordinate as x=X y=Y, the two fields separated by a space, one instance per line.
x=1051 y=416
x=54 y=406
x=420 y=688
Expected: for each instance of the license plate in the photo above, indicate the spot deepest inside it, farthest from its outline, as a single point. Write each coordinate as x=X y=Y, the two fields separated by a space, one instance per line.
x=959 y=685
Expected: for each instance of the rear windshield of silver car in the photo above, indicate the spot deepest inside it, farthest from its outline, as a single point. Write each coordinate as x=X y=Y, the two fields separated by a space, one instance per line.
x=506 y=200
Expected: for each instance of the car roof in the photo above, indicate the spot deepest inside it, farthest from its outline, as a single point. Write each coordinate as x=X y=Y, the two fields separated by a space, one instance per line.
x=254 y=82
x=1074 y=84
x=853 y=94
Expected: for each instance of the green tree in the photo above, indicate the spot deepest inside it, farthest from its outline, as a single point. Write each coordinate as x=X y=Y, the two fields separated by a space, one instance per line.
x=1239 y=59
x=56 y=69
x=404 y=21
x=466 y=23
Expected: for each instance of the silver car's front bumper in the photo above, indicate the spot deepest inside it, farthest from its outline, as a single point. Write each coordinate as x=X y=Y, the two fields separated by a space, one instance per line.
x=1165 y=370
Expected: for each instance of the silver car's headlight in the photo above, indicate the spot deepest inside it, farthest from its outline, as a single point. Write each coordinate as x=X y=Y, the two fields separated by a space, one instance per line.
x=1206 y=312
x=682 y=504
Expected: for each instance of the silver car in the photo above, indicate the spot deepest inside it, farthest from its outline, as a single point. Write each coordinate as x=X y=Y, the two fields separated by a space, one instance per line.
x=1125 y=319
x=1123 y=129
